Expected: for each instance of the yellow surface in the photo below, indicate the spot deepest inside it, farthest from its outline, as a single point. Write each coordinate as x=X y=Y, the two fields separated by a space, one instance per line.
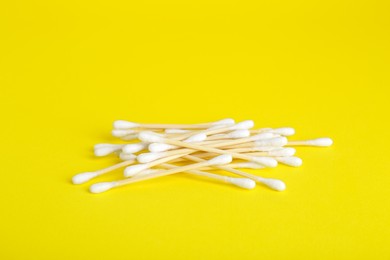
x=68 y=69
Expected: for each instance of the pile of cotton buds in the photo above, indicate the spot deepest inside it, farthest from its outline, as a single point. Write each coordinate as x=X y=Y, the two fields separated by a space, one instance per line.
x=156 y=150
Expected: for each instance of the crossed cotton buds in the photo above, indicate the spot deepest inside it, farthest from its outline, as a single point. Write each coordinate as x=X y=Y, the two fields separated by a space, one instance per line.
x=197 y=149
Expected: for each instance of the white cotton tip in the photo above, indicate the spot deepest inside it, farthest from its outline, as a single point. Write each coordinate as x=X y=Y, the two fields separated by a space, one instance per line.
x=226 y=121
x=266 y=161
x=127 y=156
x=149 y=157
x=274 y=184
x=221 y=160
x=325 y=141
x=249 y=165
x=276 y=141
x=150 y=137
x=122 y=124
x=83 y=177
x=242 y=183
x=106 y=150
x=134 y=148
x=158 y=147
x=264 y=136
x=247 y=124
x=239 y=134
x=196 y=138
x=290 y=161
x=285 y=131
x=135 y=169
x=176 y=131
x=282 y=152
x=121 y=132
x=101 y=187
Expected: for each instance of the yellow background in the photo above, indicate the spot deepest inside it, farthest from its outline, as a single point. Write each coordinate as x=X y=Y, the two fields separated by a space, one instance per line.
x=69 y=68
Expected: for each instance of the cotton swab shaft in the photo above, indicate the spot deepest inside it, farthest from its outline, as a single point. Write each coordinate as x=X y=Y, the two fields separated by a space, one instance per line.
x=282 y=152
x=148 y=157
x=101 y=187
x=219 y=129
x=271 y=183
x=163 y=173
x=243 y=183
x=151 y=137
x=86 y=176
x=115 y=167
x=134 y=169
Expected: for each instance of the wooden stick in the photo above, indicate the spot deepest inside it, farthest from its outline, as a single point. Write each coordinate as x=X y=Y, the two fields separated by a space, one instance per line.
x=134 y=169
x=145 y=157
x=221 y=143
x=151 y=137
x=241 y=125
x=86 y=176
x=101 y=187
x=271 y=183
x=248 y=165
x=282 y=152
x=240 y=182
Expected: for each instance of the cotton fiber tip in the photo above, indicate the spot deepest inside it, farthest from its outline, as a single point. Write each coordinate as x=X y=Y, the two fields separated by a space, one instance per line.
x=249 y=165
x=325 y=141
x=274 y=184
x=135 y=169
x=176 y=131
x=290 y=161
x=150 y=137
x=83 y=177
x=264 y=136
x=247 y=124
x=243 y=183
x=196 y=138
x=221 y=160
x=122 y=124
x=121 y=132
x=106 y=150
x=282 y=152
x=266 y=161
x=285 y=131
x=127 y=156
x=134 y=148
x=226 y=121
x=276 y=141
x=101 y=187
x=239 y=134
x=149 y=157
x=159 y=147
